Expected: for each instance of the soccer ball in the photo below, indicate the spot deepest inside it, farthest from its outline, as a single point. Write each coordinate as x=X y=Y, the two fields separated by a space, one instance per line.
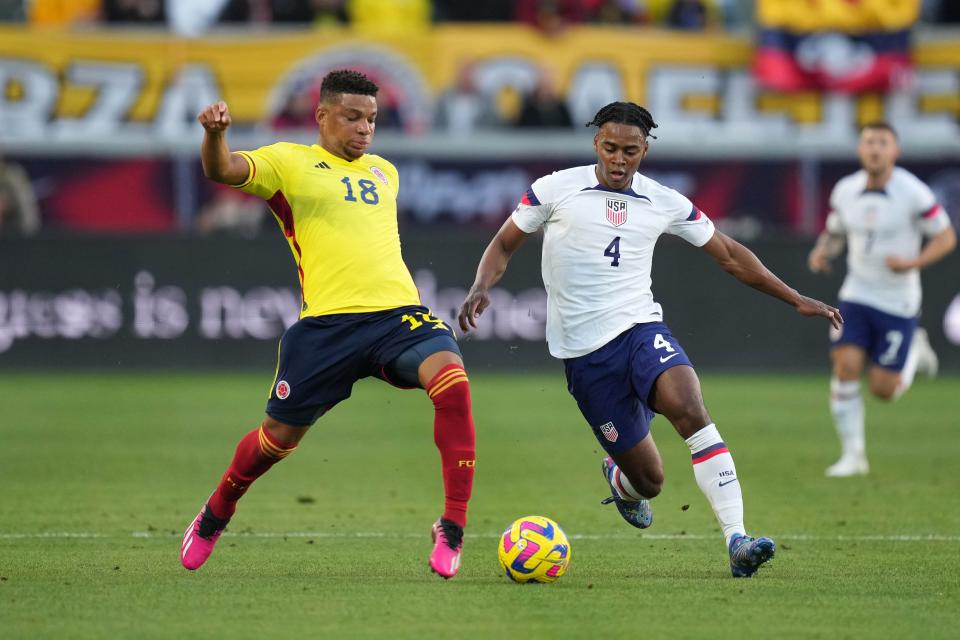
x=534 y=549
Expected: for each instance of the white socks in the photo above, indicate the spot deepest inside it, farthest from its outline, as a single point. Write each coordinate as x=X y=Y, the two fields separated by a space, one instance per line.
x=717 y=478
x=909 y=367
x=846 y=405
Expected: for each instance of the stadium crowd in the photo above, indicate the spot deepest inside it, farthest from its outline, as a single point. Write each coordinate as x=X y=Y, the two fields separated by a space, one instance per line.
x=462 y=108
x=194 y=17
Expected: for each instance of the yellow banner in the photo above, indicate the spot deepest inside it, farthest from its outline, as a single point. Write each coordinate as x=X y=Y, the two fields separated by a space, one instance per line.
x=85 y=83
x=838 y=15
x=248 y=69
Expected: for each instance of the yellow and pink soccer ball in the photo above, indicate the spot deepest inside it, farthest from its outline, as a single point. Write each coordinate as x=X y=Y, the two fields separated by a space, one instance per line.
x=534 y=549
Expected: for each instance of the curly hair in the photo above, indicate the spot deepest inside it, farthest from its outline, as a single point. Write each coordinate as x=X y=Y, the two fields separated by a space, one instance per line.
x=625 y=113
x=346 y=81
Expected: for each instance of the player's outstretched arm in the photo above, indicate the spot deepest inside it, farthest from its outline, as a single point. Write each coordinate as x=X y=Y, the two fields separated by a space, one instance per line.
x=828 y=246
x=492 y=266
x=218 y=163
x=741 y=263
x=936 y=248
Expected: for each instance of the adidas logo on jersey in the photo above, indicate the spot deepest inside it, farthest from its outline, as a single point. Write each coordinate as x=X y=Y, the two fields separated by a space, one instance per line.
x=321 y=165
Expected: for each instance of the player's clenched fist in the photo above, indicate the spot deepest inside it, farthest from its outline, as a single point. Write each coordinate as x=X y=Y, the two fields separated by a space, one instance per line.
x=215 y=117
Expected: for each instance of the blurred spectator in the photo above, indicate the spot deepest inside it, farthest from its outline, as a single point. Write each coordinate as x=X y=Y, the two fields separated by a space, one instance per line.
x=266 y=12
x=193 y=17
x=60 y=12
x=737 y=13
x=290 y=11
x=929 y=10
x=551 y=16
x=19 y=215
x=299 y=112
x=389 y=112
x=461 y=11
x=329 y=12
x=231 y=211
x=135 y=11
x=543 y=107
x=622 y=12
x=12 y=11
x=949 y=12
x=463 y=107
x=395 y=16
x=688 y=15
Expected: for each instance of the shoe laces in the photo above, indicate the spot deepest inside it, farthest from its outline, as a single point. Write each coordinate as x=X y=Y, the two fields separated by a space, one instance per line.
x=741 y=548
x=452 y=533
x=210 y=525
x=632 y=505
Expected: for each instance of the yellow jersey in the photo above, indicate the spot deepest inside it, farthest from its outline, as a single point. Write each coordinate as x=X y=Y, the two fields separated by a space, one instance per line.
x=340 y=220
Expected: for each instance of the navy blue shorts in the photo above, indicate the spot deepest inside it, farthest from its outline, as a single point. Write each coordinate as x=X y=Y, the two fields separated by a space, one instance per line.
x=612 y=385
x=885 y=337
x=321 y=357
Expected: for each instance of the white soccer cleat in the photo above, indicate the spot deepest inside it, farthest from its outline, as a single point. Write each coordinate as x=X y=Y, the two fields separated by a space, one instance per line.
x=847 y=467
x=927 y=361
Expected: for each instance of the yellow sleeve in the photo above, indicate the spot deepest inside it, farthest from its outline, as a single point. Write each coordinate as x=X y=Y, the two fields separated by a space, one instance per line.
x=266 y=170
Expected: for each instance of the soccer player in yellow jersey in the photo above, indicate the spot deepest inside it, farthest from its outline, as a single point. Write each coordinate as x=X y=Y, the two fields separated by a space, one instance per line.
x=361 y=316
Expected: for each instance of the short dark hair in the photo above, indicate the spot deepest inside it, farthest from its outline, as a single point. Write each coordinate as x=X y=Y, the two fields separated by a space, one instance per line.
x=881 y=125
x=346 y=81
x=625 y=113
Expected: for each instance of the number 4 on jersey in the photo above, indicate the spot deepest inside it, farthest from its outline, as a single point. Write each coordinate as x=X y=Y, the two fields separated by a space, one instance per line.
x=613 y=251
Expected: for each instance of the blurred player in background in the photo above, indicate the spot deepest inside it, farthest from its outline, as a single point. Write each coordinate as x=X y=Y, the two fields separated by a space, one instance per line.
x=601 y=223
x=361 y=315
x=882 y=214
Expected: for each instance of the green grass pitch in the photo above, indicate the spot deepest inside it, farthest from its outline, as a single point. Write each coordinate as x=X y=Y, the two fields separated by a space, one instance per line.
x=100 y=475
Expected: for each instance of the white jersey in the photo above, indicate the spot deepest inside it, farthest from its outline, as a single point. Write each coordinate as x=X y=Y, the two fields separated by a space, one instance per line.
x=598 y=251
x=879 y=223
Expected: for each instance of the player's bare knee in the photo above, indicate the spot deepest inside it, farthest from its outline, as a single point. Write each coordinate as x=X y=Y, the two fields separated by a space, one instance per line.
x=283 y=434
x=846 y=373
x=648 y=487
x=647 y=481
x=652 y=487
x=691 y=419
x=883 y=391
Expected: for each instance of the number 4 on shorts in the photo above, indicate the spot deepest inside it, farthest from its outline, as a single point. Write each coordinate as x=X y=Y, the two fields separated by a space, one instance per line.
x=660 y=343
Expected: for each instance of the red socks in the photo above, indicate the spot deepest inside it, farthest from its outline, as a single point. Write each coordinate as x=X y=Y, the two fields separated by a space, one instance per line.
x=256 y=453
x=454 y=435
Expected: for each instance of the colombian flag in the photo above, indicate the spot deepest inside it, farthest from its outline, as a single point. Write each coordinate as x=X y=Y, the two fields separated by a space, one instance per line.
x=834 y=45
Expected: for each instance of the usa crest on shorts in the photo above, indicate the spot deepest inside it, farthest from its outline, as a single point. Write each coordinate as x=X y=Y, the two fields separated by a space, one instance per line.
x=616 y=211
x=609 y=432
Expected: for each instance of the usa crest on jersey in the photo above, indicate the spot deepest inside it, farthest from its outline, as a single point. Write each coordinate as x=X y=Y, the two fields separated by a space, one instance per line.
x=616 y=211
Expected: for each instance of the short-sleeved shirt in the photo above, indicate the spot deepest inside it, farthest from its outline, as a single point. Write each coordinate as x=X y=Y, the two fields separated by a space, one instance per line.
x=879 y=223
x=340 y=220
x=598 y=252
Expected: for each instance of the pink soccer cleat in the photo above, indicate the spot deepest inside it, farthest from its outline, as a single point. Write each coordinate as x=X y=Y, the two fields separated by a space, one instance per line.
x=447 y=544
x=200 y=537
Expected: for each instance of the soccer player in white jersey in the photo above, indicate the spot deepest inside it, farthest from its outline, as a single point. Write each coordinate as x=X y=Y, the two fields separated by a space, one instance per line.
x=881 y=213
x=600 y=225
